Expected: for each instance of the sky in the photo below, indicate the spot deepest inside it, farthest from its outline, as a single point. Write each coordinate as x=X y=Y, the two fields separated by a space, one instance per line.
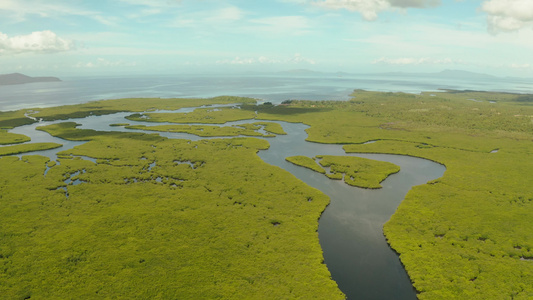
x=150 y=37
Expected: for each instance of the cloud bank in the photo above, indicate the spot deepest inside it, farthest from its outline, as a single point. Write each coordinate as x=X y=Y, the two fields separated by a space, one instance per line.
x=508 y=15
x=369 y=9
x=36 y=42
x=102 y=62
x=296 y=59
x=415 y=61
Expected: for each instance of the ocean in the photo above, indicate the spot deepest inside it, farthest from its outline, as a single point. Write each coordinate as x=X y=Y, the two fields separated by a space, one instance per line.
x=272 y=88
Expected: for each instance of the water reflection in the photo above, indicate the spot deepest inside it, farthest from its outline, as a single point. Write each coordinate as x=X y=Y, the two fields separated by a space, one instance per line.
x=350 y=229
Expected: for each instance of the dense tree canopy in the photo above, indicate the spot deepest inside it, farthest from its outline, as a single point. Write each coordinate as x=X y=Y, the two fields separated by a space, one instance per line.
x=160 y=218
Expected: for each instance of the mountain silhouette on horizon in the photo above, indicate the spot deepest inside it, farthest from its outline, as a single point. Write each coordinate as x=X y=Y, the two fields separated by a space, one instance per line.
x=17 y=78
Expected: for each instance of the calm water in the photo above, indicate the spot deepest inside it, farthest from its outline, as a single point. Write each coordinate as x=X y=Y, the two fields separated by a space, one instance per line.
x=350 y=229
x=273 y=88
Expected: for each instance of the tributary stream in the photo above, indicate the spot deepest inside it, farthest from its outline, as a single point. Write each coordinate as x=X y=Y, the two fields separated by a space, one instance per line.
x=350 y=229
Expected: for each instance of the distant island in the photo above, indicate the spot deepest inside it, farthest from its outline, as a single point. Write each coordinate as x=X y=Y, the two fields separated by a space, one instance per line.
x=17 y=78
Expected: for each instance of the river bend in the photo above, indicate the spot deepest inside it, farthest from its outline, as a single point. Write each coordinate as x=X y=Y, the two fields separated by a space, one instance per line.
x=350 y=229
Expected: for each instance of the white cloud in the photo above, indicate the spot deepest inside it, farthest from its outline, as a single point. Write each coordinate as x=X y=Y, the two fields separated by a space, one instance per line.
x=227 y=14
x=283 y=25
x=152 y=3
x=284 y=21
x=370 y=9
x=415 y=61
x=264 y=60
x=24 y=10
x=19 y=9
x=209 y=18
x=101 y=62
x=508 y=15
x=238 y=61
x=520 y=66
x=38 y=41
x=108 y=21
x=294 y=1
x=414 y=3
x=296 y=59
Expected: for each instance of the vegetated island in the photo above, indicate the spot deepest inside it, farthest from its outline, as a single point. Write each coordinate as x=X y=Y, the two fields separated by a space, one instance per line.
x=164 y=218
x=355 y=171
x=17 y=78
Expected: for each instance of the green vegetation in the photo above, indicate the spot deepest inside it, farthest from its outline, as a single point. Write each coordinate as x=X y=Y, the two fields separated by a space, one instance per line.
x=357 y=171
x=212 y=131
x=105 y=107
x=7 y=138
x=159 y=218
x=11 y=119
x=306 y=162
x=200 y=130
x=469 y=234
x=472 y=228
x=68 y=131
x=17 y=149
x=219 y=115
x=270 y=127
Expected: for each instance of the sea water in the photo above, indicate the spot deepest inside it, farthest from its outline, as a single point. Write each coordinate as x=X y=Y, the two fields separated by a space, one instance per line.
x=271 y=88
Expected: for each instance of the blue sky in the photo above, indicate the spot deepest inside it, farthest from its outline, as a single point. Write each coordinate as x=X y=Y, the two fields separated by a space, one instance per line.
x=101 y=37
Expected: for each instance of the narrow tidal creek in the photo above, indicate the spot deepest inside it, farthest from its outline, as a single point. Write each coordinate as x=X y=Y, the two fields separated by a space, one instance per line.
x=350 y=229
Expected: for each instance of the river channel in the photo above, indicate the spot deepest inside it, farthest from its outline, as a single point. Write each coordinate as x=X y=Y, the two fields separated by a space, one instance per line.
x=350 y=229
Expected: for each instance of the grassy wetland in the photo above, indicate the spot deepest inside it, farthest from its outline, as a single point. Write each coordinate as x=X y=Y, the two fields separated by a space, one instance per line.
x=469 y=234
x=247 y=129
x=164 y=218
x=158 y=218
x=355 y=171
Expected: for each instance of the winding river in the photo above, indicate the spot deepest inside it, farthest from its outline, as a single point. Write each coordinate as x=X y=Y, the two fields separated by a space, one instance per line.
x=350 y=229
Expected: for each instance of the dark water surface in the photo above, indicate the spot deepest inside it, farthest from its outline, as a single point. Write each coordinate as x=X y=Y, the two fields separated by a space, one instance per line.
x=350 y=229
